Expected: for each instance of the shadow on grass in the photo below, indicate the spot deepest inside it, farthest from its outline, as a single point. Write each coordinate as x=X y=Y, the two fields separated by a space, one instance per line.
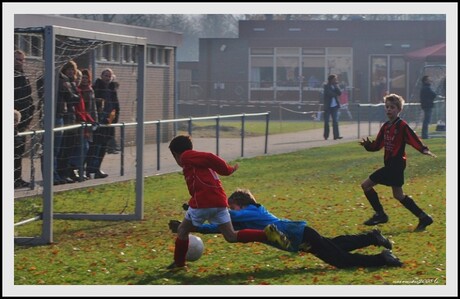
x=198 y=276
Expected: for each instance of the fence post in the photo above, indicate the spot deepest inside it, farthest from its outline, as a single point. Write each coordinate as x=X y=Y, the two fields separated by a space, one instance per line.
x=122 y=148
x=359 y=121
x=32 y=165
x=217 y=134
x=81 y=166
x=267 y=119
x=370 y=120
x=190 y=126
x=242 y=134
x=158 y=145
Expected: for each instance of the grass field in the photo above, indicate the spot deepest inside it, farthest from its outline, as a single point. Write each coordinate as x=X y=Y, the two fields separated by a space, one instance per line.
x=320 y=185
x=232 y=128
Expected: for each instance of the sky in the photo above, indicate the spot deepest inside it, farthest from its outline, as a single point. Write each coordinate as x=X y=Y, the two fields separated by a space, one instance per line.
x=8 y=11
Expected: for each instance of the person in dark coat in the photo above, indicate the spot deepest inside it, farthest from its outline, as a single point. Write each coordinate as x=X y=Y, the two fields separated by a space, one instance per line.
x=427 y=96
x=331 y=106
x=23 y=102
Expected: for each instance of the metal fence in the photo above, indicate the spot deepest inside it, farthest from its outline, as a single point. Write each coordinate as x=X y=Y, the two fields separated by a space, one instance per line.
x=367 y=117
x=35 y=140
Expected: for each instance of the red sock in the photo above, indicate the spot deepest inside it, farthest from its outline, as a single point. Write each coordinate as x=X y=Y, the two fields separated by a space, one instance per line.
x=180 y=251
x=251 y=235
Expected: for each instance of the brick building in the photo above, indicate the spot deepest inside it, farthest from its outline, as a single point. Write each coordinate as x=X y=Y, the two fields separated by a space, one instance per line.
x=286 y=62
x=121 y=58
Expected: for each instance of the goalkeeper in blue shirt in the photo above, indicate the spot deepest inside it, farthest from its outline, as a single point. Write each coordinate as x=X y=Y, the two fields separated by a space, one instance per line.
x=245 y=212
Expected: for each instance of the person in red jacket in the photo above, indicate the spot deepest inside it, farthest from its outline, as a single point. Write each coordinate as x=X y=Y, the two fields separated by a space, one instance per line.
x=208 y=201
x=393 y=136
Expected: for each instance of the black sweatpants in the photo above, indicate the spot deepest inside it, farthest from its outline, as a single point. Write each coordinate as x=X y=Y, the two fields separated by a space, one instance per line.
x=336 y=251
x=19 y=149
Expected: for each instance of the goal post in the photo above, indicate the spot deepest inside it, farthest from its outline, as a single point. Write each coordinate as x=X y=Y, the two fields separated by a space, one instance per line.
x=50 y=74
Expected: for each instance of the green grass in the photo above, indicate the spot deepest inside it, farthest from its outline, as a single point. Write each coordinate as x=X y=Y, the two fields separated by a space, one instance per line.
x=320 y=185
x=230 y=128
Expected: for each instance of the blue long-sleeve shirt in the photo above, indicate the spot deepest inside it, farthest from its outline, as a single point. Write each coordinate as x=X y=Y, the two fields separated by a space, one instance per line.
x=258 y=217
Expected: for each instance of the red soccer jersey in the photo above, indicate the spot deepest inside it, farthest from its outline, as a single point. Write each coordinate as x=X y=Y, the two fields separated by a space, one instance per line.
x=394 y=136
x=201 y=170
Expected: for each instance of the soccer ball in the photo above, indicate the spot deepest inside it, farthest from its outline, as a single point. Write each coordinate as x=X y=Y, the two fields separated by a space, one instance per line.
x=195 y=248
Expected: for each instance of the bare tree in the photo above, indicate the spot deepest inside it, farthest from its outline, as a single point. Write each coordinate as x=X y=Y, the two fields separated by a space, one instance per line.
x=95 y=17
x=342 y=17
x=218 y=26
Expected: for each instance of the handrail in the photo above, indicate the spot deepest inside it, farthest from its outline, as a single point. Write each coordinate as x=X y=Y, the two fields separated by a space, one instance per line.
x=35 y=141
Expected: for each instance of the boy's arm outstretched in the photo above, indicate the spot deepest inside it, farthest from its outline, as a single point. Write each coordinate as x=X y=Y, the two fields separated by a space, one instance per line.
x=429 y=153
x=365 y=142
x=412 y=139
x=370 y=145
x=373 y=145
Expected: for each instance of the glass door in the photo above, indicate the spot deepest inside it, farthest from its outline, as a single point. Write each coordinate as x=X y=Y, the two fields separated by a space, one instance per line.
x=388 y=75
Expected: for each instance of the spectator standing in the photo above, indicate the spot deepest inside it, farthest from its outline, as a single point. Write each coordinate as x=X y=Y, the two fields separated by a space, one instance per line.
x=23 y=103
x=68 y=98
x=331 y=106
x=76 y=162
x=427 y=96
x=109 y=111
x=112 y=147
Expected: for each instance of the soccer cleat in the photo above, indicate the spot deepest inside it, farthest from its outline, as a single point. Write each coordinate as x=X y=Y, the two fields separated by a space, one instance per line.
x=381 y=240
x=376 y=219
x=423 y=222
x=275 y=236
x=390 y=259
x=173 y=267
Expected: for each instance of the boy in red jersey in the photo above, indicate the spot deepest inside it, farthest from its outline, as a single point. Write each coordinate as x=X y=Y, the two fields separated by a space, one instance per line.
x=393 y=136
x=208 y=200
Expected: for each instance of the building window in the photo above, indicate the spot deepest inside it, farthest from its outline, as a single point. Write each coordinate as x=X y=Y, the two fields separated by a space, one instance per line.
x=106 y=52
x=313 y=68
x=116 y=52
x=161 y=56
x=36 y=46
x=388 y=75
x=129 y=54
x=313 y=71
x=262 y=72
x=339 y=51
x=339 y=61
x=158 y=56
x=314 y=51
x=287 y=71
x=167 y=56
x=287 y=51
x=262 y=51
x=109 y=52
x=31 y=44
x=291 y=69
x=134 y=53
x=151 y=55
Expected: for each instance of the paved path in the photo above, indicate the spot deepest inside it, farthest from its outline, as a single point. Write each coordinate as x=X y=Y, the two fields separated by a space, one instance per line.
x=229 y=149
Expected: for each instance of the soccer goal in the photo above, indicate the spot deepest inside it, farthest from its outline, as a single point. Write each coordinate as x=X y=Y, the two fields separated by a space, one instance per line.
x=55 y=46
